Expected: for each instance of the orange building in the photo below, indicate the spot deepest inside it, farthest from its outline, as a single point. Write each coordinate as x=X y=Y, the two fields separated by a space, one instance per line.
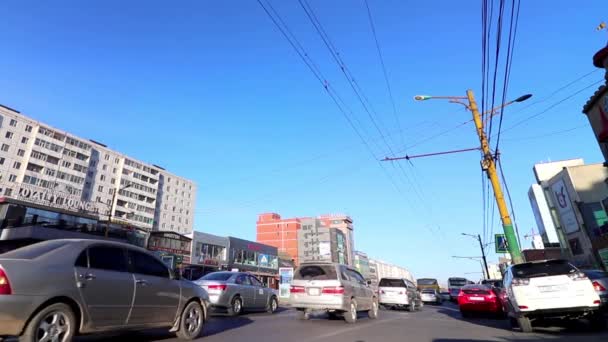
x=280 y=233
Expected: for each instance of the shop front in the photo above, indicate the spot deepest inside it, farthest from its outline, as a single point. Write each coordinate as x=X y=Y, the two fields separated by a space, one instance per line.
x=256 y=258
x=209 y=254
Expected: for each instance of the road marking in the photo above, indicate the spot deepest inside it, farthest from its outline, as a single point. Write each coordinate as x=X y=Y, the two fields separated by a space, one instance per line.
x=358 y=327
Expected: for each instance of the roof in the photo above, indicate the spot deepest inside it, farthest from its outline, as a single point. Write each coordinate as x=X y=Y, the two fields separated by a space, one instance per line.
x=594 y=98
x=600 y=56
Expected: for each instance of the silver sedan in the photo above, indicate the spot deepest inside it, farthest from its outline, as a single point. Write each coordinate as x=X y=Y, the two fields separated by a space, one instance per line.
x=237 y=292
x=53 y=290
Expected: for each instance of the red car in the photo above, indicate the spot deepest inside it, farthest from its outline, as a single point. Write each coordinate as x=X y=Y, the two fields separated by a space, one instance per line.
x=479 y=299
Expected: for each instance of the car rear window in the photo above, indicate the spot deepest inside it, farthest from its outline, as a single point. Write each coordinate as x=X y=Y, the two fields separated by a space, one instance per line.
x=391 y=283
x=34 y=251
x=219 y=276
x=316 y=272
x=427 y=281
x=543 y=269
x=476 y=291
x=428 y=291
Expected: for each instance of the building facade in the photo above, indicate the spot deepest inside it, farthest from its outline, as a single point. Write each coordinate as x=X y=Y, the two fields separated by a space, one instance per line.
x=379 y=269
x=362 y=264
x=256 y=258
x=281 y=233
x=318 y=242
x=42 y=164
x=345 y=224
x=542 y=215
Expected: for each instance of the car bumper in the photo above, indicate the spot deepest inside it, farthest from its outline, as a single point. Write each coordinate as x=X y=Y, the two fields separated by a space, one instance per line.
x=15 y=311
x=430 y=299
x=320 y=303
x=561 y=312
x=481 y=307
x=396 y=300
x=219 y=300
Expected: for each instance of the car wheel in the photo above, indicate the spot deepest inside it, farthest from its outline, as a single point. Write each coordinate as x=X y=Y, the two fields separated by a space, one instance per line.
x=350 y=316
x=273 y=305
x=373 y=312
x=524 y=324
x=191 y=322
x=236 y=307
x=56 y=322
x=303 y=314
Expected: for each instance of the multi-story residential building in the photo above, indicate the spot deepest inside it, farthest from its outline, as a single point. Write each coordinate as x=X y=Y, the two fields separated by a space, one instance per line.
x=46 y=160
x=281 y=233
x=318 y=242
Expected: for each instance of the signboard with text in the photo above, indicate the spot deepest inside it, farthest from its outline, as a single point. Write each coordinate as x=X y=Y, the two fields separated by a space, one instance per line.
x=501 y=245
x=564 y=207
x=285 y=278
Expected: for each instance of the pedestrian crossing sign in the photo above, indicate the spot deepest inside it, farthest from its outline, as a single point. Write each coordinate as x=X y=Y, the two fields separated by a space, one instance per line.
x=501 y=243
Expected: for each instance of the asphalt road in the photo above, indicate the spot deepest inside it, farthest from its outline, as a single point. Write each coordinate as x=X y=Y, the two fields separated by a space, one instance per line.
x=433 y=324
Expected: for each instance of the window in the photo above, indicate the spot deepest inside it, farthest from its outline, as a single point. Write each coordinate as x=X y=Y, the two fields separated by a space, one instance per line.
x=113 y=181
x=104 y=167
x=314 y=272
x=242 y=279
x=147 y=265
x=82 y=260
x=24 y=140
x=21 y=153
x=13 y=123
x=543 y=269
x=575 y=246
x=107 y=258
x=5 y=147
x=12 y=178
x=107 y=157
x=111 y=191
x=386 y=282
x=16 y=165
x=100 y=188
x=102 y=178
x=255 y=282
x=221 y=276
x=1 y=161
x=66 y=163
x=28 y=128
x=114 y=170
x=9 y=135
x=116 y=161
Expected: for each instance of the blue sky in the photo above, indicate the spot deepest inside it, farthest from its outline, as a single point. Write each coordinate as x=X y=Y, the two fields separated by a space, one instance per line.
x=212 y=91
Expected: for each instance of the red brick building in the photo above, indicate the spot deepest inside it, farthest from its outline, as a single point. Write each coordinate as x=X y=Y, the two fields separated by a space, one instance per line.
x=280 y=233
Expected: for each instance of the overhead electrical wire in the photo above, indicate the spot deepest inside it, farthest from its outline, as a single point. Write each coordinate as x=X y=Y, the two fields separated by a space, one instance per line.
x=501 y=9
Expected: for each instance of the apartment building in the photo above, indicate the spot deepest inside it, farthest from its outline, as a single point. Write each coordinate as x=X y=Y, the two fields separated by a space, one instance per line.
x=49 y=161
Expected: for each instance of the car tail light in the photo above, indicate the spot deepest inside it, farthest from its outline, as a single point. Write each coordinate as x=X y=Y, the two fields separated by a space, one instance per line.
x=5 y=286
x=597 y=302
x=598 y=287
x=522 y=307
x=520 y=281
x=578 y=276
x=220 y=287
x=338 y=290
x=296 y=289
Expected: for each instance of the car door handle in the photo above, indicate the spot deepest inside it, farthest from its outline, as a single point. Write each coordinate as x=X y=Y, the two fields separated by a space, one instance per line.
x=88 y=276
x=141 y=282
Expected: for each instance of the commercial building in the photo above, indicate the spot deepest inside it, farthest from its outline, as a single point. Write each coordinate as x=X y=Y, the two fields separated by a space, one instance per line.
x=318 y=242
x=542 y=215
x=343 y=223
x=209 y=253
x=58 y=170
x=362 y=264
x=256 y=258
x=577 y=196
x=280 y=233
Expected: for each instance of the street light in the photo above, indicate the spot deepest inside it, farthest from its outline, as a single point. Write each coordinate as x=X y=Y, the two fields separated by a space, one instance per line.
x=488 y=163
x=476 y=259
x=483 y=252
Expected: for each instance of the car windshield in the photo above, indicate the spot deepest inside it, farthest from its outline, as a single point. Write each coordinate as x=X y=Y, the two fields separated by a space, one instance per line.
x=316 y=272
x=543 y=269
x=218 y=276
x=34 y=251
x=384 y=282
x=427 y=282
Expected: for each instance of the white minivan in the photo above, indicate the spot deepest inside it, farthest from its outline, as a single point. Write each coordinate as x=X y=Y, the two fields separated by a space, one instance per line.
x=399 y=293
x=549 y=289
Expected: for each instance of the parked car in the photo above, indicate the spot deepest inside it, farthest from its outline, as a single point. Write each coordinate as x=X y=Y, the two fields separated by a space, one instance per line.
x=599 y=279
x=431 y=296
x=478 y=298
x=497 y=283
x=399 y=293
x=56 y=289
x=237 y=292
x=550 y=289
x=334 y=288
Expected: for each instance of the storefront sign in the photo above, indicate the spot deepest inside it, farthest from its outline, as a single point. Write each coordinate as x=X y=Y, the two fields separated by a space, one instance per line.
x=211 y=262
x=263 y=260
x=285 y=278
x=564 y=207
x=52 y=198
x=325 y=249
x=254 y=247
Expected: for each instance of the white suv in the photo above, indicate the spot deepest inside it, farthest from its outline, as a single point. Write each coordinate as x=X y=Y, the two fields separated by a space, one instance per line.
x=550 y=289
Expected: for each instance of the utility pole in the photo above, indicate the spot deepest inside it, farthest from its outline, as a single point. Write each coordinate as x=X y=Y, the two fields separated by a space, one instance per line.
x=489 y=166
x=488 y=163
x=483 y=253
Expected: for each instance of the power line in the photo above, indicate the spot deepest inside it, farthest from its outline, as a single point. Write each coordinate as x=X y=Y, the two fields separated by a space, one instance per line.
x=384 y=72
x=547 y=134
x=501 y=9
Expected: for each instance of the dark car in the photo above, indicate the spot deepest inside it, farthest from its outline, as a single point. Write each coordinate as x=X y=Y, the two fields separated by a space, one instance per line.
x=599 y=279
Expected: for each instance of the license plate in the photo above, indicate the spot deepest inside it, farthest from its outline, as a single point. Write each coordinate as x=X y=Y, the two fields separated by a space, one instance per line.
x=314 y=292
x=476 y=298
x=550 y=288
